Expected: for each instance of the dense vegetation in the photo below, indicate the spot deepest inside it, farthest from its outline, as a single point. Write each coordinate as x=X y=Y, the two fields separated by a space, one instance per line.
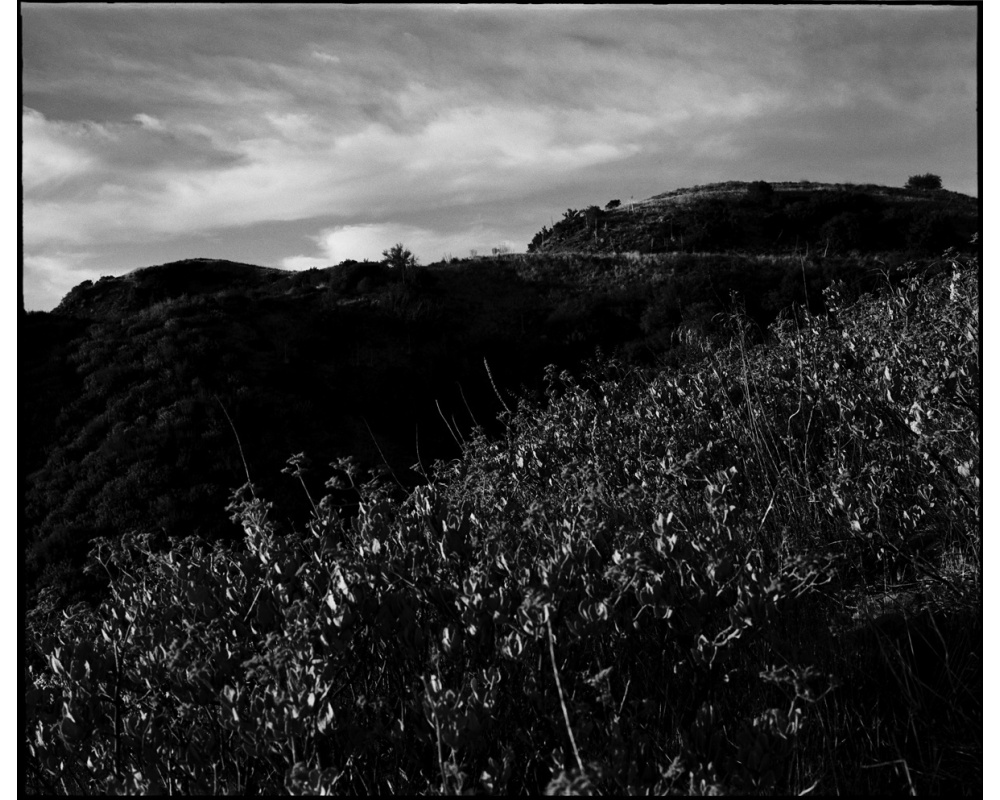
x=755 y=570
x=144 y=395
x=740 y=551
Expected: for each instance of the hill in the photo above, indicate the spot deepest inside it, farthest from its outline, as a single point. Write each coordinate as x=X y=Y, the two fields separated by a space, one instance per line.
x=786 y=217
x=148 y=398
x=114 y=297
x=757 y=571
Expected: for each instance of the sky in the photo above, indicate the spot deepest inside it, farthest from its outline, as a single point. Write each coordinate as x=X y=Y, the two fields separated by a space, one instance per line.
x=300 y=136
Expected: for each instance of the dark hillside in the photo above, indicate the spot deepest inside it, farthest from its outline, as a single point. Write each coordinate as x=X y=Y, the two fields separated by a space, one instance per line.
x=114 y=297
x=132 y=388
x=144 y=378
x=756 y=572
x=799 y=217
x=44 y=341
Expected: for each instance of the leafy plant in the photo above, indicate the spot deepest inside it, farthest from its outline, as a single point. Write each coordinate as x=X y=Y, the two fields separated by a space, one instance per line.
x=398 y=257
x=693 y=581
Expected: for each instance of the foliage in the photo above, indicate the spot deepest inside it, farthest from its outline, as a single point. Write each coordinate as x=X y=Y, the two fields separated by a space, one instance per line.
x=144 y=394
x=663 y=582
x=539 y=239
x=760 y=191
x=926 y=181
x=399 y=258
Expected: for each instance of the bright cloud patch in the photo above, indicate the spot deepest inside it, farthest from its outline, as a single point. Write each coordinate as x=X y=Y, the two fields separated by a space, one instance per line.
x=51 y=154
x=326 y=58
x=54 y=275
x=152 y=123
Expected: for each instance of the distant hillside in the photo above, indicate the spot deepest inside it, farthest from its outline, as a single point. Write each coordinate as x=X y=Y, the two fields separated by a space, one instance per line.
x=788 y=217
x=112 y=296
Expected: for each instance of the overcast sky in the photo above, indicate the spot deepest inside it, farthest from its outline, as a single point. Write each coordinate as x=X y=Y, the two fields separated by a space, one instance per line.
x=299 y=136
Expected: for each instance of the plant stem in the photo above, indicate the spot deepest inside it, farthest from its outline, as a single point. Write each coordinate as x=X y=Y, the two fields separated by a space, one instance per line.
x=562 y=700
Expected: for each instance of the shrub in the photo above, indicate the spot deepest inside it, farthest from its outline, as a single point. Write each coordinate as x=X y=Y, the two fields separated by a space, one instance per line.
x=649 y=584
x=926 y=181
x=399 y=258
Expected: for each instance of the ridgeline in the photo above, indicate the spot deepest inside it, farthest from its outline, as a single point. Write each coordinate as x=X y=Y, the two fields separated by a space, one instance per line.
x=775 y=218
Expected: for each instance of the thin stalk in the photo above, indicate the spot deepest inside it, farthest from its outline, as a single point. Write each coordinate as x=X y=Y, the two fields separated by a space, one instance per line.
x=239 y=445
x=562 y=699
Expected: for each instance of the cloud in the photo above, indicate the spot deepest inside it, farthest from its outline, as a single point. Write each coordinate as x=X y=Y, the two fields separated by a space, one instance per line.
x=157 y=179
x=53 y=275
x=56 y=151
x=152 y=123
x=47 y=157
x=169 y=123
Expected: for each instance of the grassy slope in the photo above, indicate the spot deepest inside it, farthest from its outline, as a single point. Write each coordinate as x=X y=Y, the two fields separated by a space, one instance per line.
x=760 y=572
x=787 y=217
x=145 y=376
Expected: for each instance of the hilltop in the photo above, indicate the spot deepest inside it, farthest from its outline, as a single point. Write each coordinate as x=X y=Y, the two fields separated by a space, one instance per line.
x=784 y=217
x=146 y=286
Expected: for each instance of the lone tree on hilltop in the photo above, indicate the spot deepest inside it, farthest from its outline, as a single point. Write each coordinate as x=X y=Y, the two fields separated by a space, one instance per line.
x=927 y=181
x=398 y=257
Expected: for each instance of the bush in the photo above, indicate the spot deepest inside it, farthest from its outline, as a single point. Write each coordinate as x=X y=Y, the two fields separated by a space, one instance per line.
x=665 y=582
x=924 y=182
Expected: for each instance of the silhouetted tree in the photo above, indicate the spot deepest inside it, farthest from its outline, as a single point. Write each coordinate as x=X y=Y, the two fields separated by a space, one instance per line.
x=539 y=239
x=398 y=257
x=927 y=181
